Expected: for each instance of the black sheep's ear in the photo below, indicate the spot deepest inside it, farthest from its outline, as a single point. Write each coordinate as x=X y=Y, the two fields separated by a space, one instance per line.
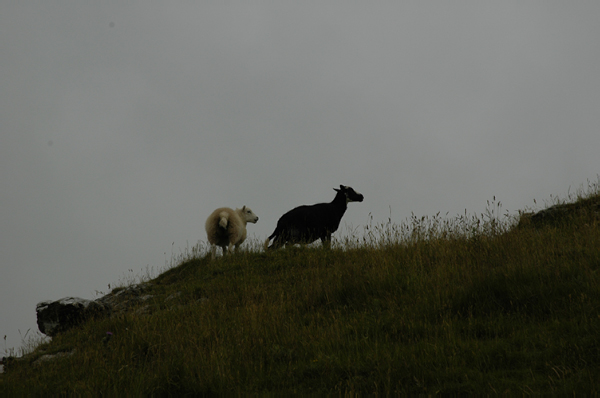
x=343 y=187
x=336 y=190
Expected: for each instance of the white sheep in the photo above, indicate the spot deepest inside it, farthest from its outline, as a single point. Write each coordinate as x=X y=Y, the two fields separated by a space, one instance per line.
x=226 y=227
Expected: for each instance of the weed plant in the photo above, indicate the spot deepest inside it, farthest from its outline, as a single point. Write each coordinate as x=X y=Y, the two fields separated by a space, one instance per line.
x=469 y=304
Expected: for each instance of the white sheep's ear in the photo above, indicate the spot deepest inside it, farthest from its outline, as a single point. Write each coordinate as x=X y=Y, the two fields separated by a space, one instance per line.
x=243 y=208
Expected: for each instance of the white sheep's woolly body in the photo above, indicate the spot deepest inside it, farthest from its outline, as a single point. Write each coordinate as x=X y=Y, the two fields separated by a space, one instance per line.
x=226 y=228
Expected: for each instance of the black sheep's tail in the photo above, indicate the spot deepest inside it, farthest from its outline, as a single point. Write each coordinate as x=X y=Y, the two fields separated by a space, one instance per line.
x=275 y=233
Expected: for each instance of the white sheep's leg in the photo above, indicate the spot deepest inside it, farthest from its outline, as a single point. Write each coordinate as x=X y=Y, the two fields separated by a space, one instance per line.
x=237 y=248
x=213 y=251
x=234 y=240
x=224 y=249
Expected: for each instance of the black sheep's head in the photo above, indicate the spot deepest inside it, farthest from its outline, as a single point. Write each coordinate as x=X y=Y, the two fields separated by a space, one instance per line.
x=351 y=194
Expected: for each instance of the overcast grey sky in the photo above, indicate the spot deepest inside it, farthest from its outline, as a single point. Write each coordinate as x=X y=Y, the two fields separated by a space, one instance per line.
x=124 y=124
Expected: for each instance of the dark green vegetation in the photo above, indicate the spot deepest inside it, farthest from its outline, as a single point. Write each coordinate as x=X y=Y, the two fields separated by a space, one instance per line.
x=468 y=305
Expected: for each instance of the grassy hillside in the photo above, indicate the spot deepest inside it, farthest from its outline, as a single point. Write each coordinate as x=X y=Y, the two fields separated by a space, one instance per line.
x=481 y=305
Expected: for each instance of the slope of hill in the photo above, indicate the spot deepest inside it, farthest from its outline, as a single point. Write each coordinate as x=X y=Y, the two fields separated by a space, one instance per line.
x=467 y=305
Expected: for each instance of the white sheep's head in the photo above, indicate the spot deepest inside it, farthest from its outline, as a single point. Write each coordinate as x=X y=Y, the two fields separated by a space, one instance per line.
x=249 y=215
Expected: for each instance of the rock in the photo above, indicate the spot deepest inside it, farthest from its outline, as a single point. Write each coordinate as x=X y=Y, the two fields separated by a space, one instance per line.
x=54 y=317
x=121 y=300
x=173 y=296
x=57 y=316
x=558 y=215
x=51 y=357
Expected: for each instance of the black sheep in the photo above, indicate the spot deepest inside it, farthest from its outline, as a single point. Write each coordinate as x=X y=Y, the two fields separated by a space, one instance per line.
x=305 y=224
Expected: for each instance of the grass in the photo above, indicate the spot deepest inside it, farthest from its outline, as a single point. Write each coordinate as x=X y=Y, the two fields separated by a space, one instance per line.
x=479 y=305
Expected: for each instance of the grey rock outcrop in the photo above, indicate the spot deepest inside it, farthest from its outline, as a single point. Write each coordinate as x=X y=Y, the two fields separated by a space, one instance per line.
x=51 y=357
x=55 y=317
x=122 y=300
x=557 y=215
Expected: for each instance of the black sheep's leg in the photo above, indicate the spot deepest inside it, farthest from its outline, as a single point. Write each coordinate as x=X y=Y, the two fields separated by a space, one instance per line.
x=277 y=242
x=326 y=241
